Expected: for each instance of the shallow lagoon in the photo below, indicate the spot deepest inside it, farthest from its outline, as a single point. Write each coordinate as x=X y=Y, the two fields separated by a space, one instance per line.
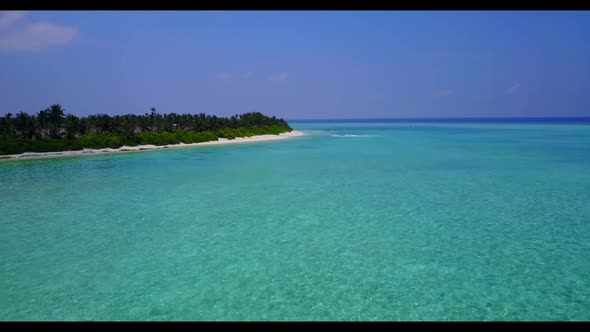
x=354 y=221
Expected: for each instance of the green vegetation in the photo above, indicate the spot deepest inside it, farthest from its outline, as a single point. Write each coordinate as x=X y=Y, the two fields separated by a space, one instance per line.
x=51 y=130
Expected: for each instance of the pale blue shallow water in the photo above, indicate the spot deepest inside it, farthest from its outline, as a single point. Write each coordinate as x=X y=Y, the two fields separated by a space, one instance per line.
x=426 y=221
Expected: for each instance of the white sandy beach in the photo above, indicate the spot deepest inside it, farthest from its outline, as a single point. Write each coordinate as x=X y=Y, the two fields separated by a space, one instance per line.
x=30 y=155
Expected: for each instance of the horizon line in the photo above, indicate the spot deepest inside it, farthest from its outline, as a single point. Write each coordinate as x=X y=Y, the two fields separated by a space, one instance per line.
x=448 y=118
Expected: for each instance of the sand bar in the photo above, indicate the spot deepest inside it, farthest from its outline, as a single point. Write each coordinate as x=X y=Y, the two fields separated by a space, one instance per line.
x=93 y=152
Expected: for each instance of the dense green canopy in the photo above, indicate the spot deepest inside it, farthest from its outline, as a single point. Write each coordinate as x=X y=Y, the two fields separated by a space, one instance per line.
x=52 y=130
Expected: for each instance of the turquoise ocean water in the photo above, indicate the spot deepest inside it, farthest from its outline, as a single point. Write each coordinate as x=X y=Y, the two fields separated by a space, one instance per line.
x=354 y=221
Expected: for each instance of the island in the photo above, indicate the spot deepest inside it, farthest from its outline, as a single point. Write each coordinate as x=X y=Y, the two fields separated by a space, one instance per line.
x=50 y=132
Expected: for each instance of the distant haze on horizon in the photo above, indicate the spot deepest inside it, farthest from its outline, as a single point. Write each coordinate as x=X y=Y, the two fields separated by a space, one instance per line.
x=298 y=65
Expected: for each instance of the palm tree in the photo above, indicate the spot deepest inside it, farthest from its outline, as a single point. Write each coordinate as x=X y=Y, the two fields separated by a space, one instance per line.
x=55 y=116
x=24 y=125
x=71 y=126
x=42 y=123
x=5 y=125
x=152 y=118
x=49 y=121
x=9 y=125
x=125 y=126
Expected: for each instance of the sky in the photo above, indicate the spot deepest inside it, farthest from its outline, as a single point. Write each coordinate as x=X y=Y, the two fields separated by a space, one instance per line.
x=298 y=64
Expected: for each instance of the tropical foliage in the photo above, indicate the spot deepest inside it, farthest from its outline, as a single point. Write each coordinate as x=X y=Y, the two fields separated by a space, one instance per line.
x=52 y=129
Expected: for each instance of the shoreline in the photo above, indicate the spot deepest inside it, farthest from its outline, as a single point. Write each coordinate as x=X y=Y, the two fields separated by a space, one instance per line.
x=125 y=149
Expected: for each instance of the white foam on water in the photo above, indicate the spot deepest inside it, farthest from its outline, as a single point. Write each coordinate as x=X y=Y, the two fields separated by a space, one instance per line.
x=351 y=135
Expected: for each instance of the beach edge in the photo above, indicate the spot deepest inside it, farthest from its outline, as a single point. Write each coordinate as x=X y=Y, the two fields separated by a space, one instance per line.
x=139 y=148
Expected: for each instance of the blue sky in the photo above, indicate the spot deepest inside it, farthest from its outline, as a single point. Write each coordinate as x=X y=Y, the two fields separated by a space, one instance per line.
x=298 y=65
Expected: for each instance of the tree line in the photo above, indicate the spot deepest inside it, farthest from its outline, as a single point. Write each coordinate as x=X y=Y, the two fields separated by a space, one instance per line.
x=52 y=129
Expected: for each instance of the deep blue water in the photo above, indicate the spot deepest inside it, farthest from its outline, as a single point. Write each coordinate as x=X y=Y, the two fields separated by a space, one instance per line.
x=552 y=120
